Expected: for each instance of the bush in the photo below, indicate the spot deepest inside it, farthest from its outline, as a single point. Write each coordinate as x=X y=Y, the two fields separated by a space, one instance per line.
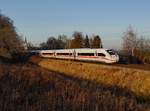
x=10 y=41
x=4 y=53
x=142 y=55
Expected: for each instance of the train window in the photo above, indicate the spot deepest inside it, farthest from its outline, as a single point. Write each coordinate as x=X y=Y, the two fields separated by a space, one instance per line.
x=64 y=54
x=101 y=54
x=110 y=52
x=47 y=53
x=85 y=54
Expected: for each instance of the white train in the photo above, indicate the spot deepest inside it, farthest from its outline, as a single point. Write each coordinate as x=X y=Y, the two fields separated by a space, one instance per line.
x=86 y=54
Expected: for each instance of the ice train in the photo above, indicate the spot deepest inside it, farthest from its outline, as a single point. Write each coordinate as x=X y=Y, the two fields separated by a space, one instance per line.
x=86 y=54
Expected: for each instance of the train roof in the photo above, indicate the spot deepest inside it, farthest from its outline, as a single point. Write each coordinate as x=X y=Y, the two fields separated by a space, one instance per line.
x=77 y=50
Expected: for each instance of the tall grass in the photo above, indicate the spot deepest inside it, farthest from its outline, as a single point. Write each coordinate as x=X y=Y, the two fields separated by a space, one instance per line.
x=30 y=88
x=134 y=80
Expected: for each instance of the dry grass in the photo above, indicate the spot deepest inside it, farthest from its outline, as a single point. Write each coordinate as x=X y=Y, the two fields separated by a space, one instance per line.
x=30 y=88
x=134 y=80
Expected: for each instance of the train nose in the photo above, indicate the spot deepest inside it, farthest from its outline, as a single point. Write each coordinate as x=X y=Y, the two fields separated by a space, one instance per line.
x=115 y=58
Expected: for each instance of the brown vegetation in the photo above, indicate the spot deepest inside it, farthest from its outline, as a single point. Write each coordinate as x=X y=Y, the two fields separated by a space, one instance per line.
x=137 y=47
x=78 y=40
x=142 y=51
x=30 y=88
x=10 y=42
x=134 y=80
x=77 y=86
x=144 y=56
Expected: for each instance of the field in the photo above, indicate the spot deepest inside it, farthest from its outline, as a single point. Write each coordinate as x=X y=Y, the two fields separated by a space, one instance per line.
x=31 y=88
x=28 y=87
x=136 y=81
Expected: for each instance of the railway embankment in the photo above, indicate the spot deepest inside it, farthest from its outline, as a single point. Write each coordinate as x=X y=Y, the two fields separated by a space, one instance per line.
x=27 y=87
x=30 y=87
x=132 y=79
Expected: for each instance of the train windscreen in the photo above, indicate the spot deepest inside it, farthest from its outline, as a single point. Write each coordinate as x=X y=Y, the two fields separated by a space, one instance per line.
x=111 y=52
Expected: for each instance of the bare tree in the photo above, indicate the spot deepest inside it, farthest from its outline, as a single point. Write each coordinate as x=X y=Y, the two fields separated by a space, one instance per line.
x=55 y=43
x=61 y=41
x=51 y=43
x=96 y=42
x=77 y=41
x=43 y=46
x=129 y=41
x=142 y=51
x=86 y=42
x=68 y=44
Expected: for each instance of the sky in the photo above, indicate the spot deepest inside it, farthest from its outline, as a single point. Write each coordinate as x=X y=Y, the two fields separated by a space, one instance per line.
x=39 y=19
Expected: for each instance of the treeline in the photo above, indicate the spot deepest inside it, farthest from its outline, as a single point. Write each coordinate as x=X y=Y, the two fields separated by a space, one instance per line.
x=142 y=50
x=11 y=44
x=136 y=46
x=78 y=40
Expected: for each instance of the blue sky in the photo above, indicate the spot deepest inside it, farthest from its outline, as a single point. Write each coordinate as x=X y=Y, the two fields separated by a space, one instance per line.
x=39 y=19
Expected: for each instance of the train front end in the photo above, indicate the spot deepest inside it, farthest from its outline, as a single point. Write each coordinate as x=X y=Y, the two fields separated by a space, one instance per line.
x=113 y=56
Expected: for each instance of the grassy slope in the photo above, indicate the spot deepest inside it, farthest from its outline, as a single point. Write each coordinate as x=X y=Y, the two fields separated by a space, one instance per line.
x=31 y=88
x=137 y=81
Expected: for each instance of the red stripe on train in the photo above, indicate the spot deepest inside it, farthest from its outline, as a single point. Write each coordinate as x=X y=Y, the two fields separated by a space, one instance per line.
x=95 y=57
x=88 y=57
